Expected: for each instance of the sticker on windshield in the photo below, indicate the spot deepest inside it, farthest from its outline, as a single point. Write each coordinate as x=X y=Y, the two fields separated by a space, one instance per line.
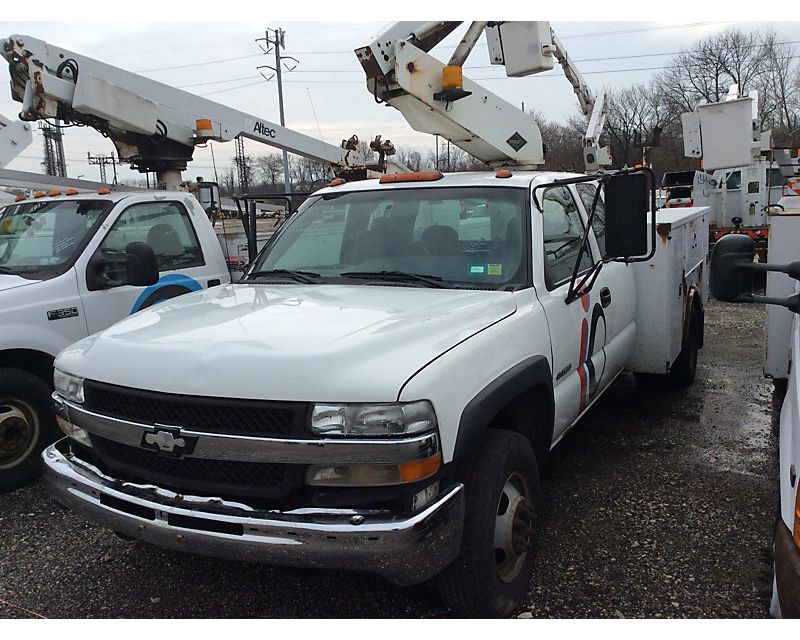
x=494 y=269
x=476 y=269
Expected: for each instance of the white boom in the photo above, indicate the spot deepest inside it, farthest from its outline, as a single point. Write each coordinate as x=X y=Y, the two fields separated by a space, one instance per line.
x=435 y=98
x=154 y=126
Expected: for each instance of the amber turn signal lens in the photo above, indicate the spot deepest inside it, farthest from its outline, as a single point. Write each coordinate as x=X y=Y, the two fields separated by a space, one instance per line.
x=420 y=469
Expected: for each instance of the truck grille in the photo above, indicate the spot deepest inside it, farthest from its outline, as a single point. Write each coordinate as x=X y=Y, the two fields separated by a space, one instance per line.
x=196 y=413
x=223 y=478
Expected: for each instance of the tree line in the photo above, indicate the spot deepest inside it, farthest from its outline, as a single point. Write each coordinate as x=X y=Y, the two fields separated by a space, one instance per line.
x=642 y=124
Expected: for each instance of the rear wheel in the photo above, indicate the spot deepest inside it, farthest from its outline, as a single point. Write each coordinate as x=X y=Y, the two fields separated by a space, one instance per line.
x=684 y=369
x=501 y=529
x=27 y=425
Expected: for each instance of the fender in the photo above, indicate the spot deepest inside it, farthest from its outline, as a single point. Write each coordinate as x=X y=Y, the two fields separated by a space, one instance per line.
x=481 y=410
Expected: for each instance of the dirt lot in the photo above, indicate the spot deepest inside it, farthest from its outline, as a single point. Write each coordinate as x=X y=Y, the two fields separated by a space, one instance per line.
x=659 y=504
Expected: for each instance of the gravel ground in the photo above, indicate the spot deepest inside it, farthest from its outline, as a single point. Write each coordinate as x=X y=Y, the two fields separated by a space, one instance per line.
x=658 y=504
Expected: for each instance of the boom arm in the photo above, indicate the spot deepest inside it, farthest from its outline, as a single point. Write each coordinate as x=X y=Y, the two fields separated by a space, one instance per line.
x=155 y=127
x=435 y=98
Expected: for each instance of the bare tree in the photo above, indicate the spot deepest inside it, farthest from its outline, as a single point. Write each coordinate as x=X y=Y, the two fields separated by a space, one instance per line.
x=269 y=168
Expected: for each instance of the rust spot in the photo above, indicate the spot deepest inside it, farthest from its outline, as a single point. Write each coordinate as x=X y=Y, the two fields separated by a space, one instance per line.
x=663 y=229
x=410 y=67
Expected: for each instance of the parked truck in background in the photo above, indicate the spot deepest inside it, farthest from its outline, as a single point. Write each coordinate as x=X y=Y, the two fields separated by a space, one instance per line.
x=71 y=265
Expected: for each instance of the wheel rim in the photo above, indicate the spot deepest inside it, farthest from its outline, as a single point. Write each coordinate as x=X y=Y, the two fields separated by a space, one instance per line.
x=19 y=429
x=514 y=528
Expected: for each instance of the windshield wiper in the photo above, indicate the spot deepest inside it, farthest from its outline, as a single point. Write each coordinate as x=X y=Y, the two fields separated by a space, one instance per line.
x=398 y=276
x=4 y=269
x=307 y=277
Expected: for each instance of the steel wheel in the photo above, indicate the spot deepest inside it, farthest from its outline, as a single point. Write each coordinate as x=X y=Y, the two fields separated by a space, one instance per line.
x=19 y=432
x=514 y=527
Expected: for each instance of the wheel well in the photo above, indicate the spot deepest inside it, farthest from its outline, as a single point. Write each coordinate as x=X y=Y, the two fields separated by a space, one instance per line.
x=35 y=362
x=531 y=415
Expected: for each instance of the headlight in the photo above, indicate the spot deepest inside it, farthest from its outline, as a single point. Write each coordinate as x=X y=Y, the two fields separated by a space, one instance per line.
x=68 y=386
x=391 y=419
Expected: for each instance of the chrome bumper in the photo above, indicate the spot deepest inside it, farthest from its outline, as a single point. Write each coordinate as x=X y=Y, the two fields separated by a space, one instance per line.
x=404 y=550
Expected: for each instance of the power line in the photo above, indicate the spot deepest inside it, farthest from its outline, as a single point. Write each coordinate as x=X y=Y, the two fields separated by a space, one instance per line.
x=572 y=36
x=197 y=64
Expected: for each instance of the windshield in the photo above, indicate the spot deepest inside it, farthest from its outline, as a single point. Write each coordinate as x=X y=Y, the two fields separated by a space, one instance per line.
x=469 y=237
x=37 y=235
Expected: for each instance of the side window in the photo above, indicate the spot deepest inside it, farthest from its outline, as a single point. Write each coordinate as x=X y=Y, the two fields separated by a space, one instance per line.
x=734 y=181
x=776 y=178
x=562 y=235
x=587 y=193
x=165 y=226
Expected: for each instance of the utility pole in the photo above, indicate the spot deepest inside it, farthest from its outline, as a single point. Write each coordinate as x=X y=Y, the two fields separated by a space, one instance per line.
x=275 y=41
x=54 y=162
x=102 y=161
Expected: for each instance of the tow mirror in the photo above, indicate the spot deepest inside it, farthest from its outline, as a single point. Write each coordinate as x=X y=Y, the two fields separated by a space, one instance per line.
x=731 y=274
x=141 y=268
x=627 y=203
x=142 y=264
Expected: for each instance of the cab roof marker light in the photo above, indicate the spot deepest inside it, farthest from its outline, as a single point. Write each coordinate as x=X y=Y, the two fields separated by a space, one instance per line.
x=417 y=176
x=71 y=192
x=103 y=191
x=39 y=194
x=54 y=193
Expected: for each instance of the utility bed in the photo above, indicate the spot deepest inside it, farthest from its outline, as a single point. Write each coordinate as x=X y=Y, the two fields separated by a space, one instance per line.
x=678 y=267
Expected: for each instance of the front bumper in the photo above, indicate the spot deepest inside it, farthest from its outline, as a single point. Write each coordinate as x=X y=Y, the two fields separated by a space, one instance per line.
x=787 y=571
x=406 y=550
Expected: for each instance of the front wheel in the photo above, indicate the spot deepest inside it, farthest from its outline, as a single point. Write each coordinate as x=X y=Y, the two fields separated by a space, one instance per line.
x=501 y=529
x=27 y=425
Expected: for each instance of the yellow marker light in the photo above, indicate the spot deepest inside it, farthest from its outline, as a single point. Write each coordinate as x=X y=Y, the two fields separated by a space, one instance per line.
x=39 y=194
x=54 y=193
x=71 y=192
x=452 y=78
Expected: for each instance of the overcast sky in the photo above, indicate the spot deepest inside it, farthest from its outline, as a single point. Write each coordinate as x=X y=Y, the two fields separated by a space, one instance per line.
x=325 y=96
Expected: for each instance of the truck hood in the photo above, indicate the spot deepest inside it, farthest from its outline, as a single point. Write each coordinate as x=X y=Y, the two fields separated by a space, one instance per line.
x=11 y=281
x=332 y=343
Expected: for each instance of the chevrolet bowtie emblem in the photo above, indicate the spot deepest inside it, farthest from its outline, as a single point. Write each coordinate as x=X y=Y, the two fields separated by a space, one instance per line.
x=164 y=440
x=168 y=440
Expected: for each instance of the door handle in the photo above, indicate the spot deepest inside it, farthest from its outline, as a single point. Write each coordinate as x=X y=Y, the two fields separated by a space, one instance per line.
x=605 y=296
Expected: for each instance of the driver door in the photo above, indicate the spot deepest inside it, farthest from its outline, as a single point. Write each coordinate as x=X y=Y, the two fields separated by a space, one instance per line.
x=580 y=329
x=164 y=225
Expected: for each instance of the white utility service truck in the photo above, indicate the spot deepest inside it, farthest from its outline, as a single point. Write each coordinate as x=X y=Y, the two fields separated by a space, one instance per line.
x=380 y=389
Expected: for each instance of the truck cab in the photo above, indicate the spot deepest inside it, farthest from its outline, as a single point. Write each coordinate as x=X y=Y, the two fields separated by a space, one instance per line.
x=381 y=388
x=65 y=274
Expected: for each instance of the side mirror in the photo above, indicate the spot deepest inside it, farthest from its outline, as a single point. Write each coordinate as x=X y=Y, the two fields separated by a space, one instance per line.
x=627 y=203
x=141 y=263
x=141 y=268
x=731 y=274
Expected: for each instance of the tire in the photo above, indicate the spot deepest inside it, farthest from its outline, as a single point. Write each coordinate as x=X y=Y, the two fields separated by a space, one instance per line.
x=27 y=425
x=684 y=369
x=491 y=573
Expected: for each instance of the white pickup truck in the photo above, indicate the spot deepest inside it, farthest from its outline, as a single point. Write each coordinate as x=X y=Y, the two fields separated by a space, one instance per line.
x=67 y=271
x=380 y=390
